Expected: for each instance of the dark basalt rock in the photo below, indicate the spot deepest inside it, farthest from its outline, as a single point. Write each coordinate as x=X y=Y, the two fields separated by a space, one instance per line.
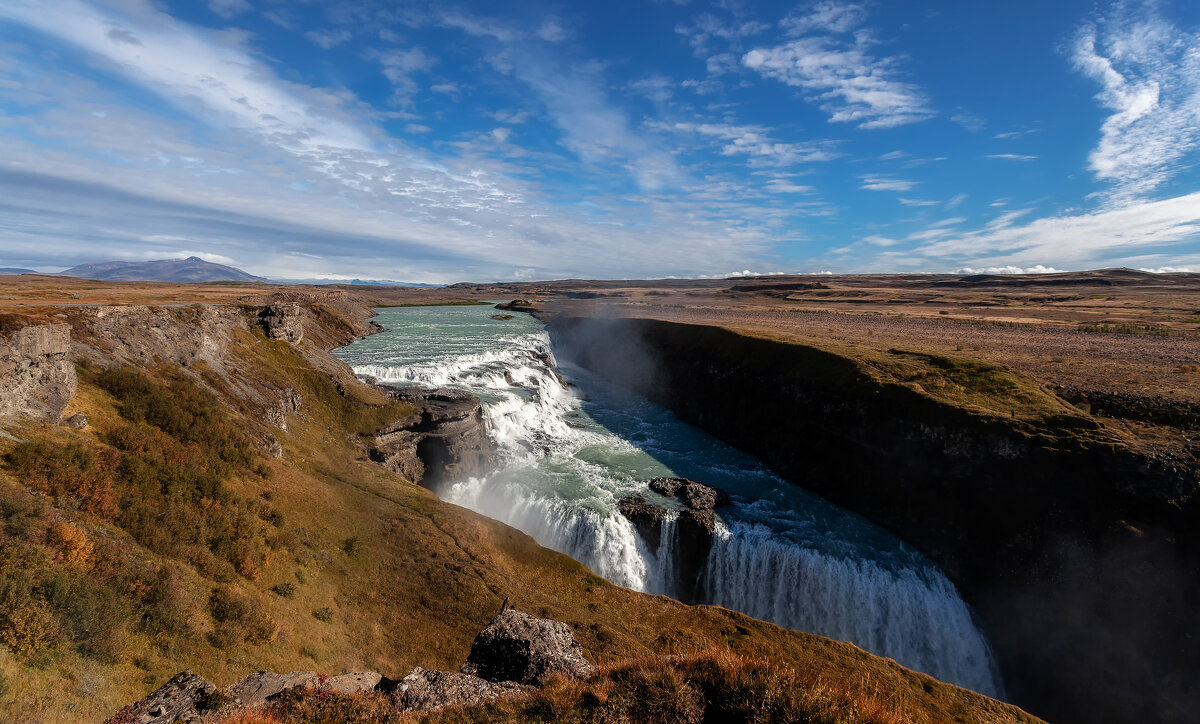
x=184 y=698
x=691 y=542
x=445 y=440
x=520 y=305
x=696 y=496
x=425 y=690
x=693 y=532
x=646 y=517
x=518 y=647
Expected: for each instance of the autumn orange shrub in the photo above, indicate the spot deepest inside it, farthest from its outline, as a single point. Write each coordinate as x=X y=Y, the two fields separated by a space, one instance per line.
x=71 y=545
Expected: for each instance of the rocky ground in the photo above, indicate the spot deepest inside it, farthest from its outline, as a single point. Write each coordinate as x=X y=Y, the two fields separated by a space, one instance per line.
x=511 y=656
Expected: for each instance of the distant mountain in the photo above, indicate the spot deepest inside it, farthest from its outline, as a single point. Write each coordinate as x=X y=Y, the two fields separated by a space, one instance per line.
x=354 y=282
x=14 y=270
x=192 y=269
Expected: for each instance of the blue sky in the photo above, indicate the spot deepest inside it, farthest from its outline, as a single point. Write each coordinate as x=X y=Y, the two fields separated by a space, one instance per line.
x=441 y=141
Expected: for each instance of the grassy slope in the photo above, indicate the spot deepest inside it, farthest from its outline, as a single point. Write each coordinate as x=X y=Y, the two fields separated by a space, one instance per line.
x=421 y=579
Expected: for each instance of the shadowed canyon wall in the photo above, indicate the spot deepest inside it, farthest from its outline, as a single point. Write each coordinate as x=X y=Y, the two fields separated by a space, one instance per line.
x=1077 y=553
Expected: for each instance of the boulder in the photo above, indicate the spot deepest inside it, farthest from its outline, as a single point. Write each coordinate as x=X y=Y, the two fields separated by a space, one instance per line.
x=184 y=698
x=424 y=690
x=354 y=683
x=696 y=496
x=262 y=686
x=518 y=647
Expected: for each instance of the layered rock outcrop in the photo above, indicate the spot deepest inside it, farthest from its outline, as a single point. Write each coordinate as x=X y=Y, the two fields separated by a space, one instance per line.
x=692 y=535
x=444 y=440
x=37 y=375
x=284 y=321
x=146 y=335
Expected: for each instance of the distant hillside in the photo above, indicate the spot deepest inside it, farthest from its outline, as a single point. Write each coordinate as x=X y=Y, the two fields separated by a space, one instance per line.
x=14 y=270
x=192 y=269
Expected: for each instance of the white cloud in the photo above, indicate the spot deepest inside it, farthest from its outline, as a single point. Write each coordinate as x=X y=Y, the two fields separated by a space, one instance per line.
x=878 y=240
x=918 y=202
x=969 y=121
x=1014 y=134
x=1075 y=240
x=480 y=27
x=657 y=88
x=1173 y=270
x=592 y=128
x=205 y=72
x=707 y=26
x=552 y=31
x=783 y=186
x=399 y=67
x=753 y=141
x=297 y=181
x=510 y=116
x=416 y=128
x=1036 y=269
x=955 y=201
x=228 y=8
x=843 y=77
x=1012 y=157
x=829 y=16
x=1149 y=73
x=328 y=37
x=886 y=183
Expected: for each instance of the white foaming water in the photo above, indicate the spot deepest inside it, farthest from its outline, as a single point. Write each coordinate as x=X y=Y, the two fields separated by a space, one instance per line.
x=568 y=453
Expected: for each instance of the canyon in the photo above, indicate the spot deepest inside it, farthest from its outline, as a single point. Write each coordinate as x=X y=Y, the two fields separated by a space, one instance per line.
x=1057 y=496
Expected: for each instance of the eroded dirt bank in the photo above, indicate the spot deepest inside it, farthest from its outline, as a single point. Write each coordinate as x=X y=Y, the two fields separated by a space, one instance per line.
x=1077 y=549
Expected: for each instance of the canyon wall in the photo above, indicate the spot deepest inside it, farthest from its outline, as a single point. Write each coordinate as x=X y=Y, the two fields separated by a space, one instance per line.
x=1077 y=552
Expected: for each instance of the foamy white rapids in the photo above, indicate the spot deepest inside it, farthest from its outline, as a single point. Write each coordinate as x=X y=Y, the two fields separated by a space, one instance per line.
x=780 y=554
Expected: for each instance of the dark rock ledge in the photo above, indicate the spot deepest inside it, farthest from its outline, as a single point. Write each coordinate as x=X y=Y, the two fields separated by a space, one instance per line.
x=512 y=656
x=693 y=531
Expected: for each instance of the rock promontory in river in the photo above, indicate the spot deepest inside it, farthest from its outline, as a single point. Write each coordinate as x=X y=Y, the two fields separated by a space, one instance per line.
x=692 y=536
x=445 y=439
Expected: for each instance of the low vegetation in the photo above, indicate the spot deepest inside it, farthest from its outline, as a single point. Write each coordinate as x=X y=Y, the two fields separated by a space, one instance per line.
x=711 y=686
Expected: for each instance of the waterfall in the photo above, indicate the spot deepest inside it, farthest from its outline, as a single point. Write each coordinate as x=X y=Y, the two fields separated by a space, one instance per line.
x=562 y=473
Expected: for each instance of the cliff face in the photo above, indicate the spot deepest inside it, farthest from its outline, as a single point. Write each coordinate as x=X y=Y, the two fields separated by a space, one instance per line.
x=37 y=376
x=444 y=440
x=1058 y=536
